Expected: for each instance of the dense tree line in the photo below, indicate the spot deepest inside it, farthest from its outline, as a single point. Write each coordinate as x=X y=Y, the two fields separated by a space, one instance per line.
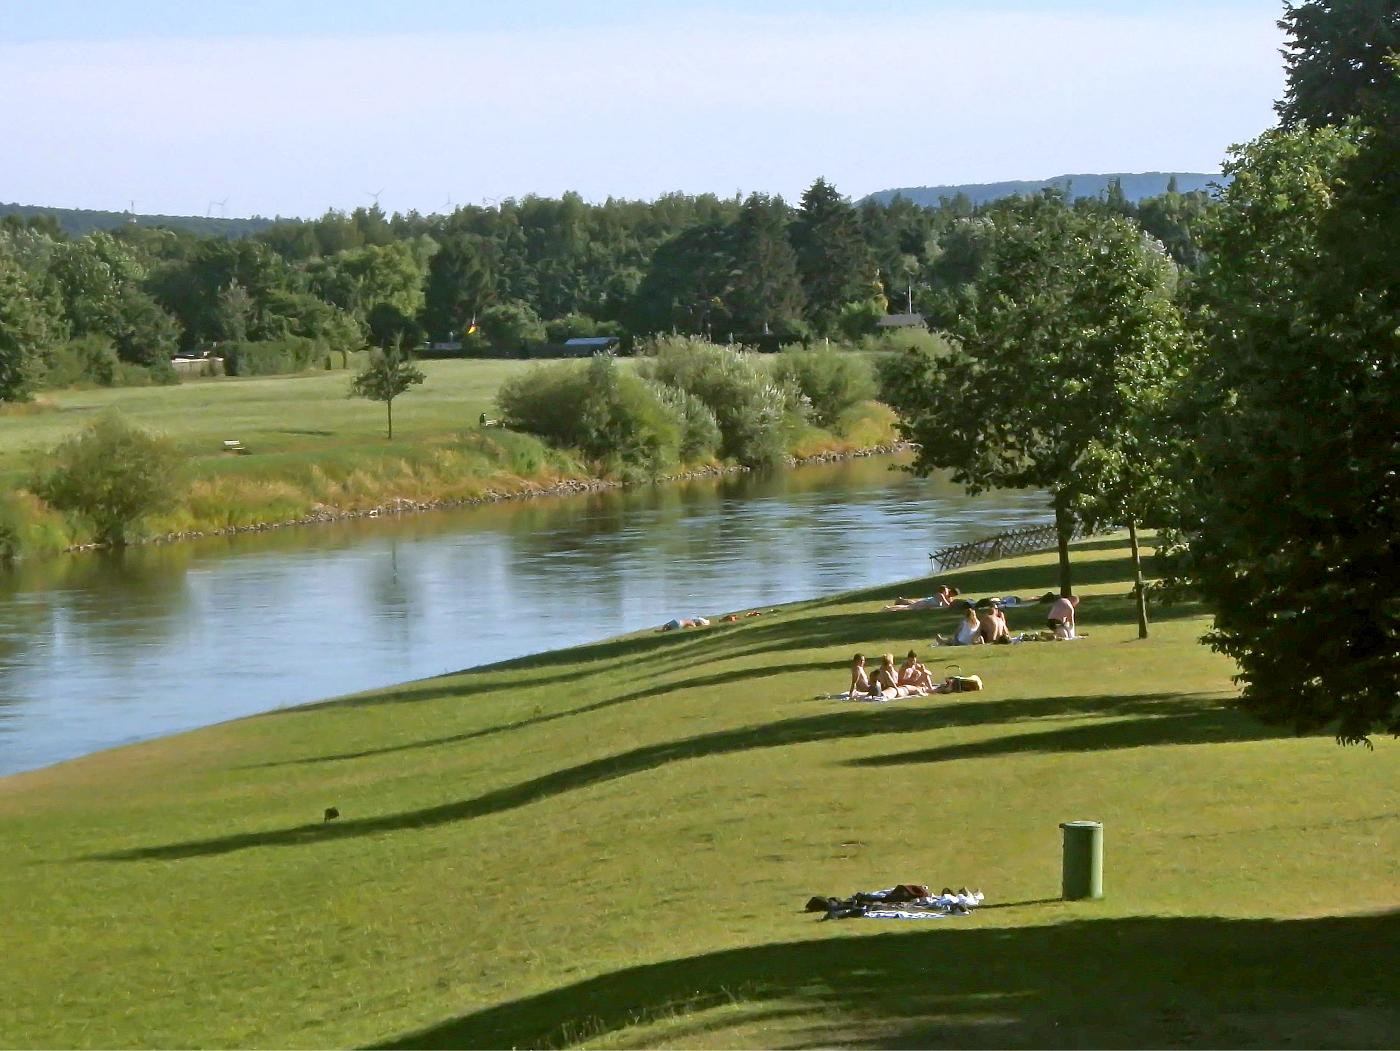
x=115 y=306
x=1237 y=386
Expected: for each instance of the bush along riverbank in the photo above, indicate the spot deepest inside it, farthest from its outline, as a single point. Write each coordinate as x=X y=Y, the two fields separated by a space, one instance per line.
x=477 y=467
x=685 y=409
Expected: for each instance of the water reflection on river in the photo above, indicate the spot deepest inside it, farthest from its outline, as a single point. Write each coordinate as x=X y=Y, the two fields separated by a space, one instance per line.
x=98 y=650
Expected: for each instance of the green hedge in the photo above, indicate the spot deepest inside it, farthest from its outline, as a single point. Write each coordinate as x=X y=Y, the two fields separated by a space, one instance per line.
x=274 y=356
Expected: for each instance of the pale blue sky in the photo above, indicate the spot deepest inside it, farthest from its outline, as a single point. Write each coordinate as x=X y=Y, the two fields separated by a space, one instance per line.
x=290 y=108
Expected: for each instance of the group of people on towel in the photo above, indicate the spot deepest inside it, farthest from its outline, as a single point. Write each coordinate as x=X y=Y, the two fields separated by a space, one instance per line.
x=910 y=679
x=990 y=627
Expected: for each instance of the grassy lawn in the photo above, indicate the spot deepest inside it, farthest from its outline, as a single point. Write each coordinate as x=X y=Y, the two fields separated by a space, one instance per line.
x=301 y=415
x=612 y=845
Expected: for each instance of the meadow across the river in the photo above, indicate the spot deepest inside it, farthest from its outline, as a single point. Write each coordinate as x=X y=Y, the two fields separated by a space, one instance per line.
x=612 y=845
x=309 y=450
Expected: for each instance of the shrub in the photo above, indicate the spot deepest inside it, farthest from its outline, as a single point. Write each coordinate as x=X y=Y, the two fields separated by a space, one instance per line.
x=570 y=326
x=511 y=325
x=859 y=318
x=272 y=357
x=111 y=474
x=754 y=412
x=88 y=360
x=607 y=413
x=700 y=435
x=921 y=340
x=28 y=527
x=545 y=400
x=832 y=380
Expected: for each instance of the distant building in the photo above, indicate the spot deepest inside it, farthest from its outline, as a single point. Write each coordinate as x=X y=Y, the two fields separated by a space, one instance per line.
x=901 y=321
x=582 y=345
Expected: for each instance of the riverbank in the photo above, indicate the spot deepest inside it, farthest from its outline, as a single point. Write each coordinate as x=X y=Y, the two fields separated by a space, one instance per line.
x=526 y=491
x=313 y=455
x=612 y=844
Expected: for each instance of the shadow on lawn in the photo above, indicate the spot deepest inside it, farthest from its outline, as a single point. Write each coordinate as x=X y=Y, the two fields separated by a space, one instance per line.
x=658 y=690
x=1149 y=981
x=633 y=652
x=1200 y=727
x=870 y=631
x=1175 y=719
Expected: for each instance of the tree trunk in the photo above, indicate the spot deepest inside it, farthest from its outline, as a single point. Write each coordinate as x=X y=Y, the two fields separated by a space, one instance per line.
x=1064 y=529
x=1139 y=585
x=389 y=405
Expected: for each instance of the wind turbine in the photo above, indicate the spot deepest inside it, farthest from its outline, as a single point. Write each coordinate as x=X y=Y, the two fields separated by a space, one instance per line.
x=213 y=205
x=374 y=195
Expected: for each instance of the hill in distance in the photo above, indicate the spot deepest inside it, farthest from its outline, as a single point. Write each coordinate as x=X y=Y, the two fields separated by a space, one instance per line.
x=1135 y=187
x=77 y=222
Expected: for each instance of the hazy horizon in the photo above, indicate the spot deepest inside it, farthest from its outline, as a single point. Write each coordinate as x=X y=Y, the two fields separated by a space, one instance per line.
x=435 y=104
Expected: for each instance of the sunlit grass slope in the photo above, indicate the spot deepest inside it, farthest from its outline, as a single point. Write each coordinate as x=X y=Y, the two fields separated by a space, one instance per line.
x=612 y=845
x=268 y=414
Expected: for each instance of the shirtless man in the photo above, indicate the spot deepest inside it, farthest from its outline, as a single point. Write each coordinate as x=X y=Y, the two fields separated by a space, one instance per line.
x=993 y=627
x=1060 y=619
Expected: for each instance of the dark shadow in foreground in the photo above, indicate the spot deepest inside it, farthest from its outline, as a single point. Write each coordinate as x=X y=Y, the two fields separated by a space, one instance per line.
x=1140 y=982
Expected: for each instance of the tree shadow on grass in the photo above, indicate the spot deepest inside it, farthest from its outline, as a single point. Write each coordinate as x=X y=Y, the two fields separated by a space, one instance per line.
x=864 y=630
x=849 y=723
x=1219 y=726
x=658 y=690
x=1137 y=982
x=630 y=652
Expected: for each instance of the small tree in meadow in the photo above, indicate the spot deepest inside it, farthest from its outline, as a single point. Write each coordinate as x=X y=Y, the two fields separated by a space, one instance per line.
x=112 y=474
x=390 y=372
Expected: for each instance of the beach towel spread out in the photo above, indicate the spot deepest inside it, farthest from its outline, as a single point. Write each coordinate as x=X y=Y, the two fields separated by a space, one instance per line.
x=904 y=901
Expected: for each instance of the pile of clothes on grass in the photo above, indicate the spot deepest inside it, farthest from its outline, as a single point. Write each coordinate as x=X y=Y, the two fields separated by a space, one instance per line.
x=904 y=901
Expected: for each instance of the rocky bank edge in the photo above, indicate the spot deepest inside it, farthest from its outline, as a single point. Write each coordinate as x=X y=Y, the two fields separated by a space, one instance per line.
x=528 y=491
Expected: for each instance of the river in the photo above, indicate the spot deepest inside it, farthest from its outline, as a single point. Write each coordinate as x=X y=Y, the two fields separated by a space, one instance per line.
x=98 y=650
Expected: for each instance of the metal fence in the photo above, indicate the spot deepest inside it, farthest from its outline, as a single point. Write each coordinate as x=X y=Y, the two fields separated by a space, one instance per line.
x=1026 y=541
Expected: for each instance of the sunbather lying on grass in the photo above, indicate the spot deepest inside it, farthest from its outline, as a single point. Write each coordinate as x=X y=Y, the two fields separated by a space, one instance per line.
x=678 y=623
x=940 y=599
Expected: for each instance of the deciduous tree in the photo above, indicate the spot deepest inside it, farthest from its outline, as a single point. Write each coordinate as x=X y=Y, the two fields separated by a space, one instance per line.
x=1071 y=329
x=1296 y=539
x=390 y=372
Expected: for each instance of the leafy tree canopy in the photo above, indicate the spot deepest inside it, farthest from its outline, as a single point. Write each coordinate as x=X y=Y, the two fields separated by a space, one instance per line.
x=1296 y=539
x=1336 y=58
x=1070 y=333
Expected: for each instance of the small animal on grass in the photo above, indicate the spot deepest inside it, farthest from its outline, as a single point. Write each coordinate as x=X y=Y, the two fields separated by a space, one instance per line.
x=332 y=813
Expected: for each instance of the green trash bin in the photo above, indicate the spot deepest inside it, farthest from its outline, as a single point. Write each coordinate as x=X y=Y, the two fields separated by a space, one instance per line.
x=1082 y=870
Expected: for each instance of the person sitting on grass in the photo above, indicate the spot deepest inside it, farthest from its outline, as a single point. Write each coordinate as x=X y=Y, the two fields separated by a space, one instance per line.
x=887 y=681
x=940 y=599
x=1060 y=619
x=884 y=684
x=969 y=632
x=994 y=629
x=860 y=679
x=913 y=673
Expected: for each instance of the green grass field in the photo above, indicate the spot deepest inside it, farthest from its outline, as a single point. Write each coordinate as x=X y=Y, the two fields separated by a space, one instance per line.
x=300 y=415
x=309 y=449
x=611 y=846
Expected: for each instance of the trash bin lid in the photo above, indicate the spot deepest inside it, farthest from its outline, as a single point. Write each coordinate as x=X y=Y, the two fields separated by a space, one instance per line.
x=1081 y=824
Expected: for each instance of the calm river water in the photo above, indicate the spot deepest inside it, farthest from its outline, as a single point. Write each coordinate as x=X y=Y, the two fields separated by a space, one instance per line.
x=100 y=650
